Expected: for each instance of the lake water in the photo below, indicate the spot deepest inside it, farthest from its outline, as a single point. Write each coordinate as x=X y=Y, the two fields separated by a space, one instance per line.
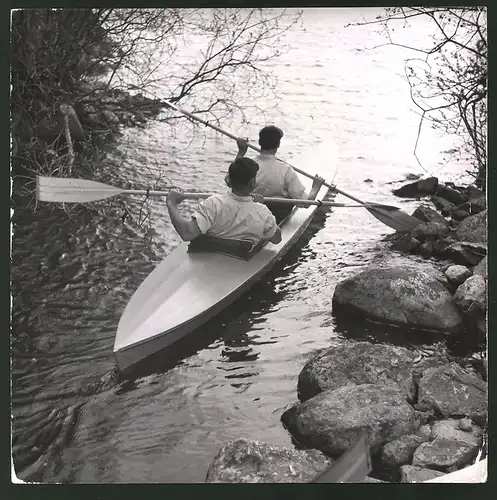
x=341 y=102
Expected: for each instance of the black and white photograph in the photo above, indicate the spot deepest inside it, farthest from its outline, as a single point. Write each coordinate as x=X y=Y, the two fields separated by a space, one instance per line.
x=248 y=245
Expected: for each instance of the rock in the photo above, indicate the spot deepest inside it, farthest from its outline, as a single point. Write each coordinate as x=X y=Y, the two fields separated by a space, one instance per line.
x=406 y=243
x=350 y=363
x=443 y=455
x=244 y=461
x=427 y=214
x=465 y=253
x=424 y=432
x=449 y=429
x=471 y=296
x=417 y=189
x=426 y=249
x=334 y=420
x=451 y=195
x=446 y=207
x=400 y=451
x=474 y=192
x=424 y=414
x=426 y=229
x=453 y=392
x=465 y=424
x=389 y=260
x=402 y=296
x=474 y=205
x=459 y=215
x=482 y=268
x=415 y=474
x=457 y=274
x=440 y=245
x=474 y=228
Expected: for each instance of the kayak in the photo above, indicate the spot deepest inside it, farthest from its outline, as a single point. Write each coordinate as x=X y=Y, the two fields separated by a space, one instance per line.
x=476 y=473
x=189 y=288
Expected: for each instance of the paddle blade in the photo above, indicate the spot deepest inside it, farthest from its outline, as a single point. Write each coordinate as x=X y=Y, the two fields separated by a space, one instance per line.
x=64 y=190
x=396 y=219
x=352 y=466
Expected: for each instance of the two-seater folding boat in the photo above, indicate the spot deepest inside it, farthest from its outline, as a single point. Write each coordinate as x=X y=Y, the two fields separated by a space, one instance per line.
x=190 y=287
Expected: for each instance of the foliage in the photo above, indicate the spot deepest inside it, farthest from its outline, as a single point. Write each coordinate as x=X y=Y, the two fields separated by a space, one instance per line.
x=448 y=81
x=92 y=59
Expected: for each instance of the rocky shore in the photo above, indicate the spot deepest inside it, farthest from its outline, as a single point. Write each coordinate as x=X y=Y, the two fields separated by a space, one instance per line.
x=425 y=415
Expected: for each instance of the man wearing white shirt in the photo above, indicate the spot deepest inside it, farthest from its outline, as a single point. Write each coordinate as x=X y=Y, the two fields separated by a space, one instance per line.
x=232 y=216
x=275 y=178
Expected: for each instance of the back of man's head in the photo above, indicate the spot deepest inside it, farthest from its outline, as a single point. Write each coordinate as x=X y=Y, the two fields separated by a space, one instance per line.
x=242 y=171
x=270 y=137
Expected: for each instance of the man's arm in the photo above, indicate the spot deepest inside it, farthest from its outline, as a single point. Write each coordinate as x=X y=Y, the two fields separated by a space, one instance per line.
x=271 y=230
x=242 y=150
x=316 y=186
x=187 y=229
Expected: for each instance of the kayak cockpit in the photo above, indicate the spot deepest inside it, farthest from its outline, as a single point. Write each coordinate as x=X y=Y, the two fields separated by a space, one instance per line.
x=240 y=249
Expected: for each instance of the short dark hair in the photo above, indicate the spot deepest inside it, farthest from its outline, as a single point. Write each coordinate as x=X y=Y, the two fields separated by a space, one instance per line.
x=242 y=171
x=270 y=137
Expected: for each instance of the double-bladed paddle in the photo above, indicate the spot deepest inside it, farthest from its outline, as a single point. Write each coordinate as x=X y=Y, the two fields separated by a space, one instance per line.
x=70 y=190
x=390 y=216
x=351 y=467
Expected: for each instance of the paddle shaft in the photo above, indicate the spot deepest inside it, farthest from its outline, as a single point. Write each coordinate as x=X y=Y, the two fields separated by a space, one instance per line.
x=283 y=201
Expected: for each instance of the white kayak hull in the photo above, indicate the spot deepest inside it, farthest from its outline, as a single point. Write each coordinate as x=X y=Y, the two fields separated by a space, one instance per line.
x=476 y=473
x=187 y=289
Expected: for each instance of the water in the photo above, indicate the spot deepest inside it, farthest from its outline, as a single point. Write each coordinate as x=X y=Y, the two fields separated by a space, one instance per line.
x=74 y=420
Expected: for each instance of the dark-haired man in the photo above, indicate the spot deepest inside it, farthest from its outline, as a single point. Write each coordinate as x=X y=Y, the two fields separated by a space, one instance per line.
x=275 y=178
x=234 y=215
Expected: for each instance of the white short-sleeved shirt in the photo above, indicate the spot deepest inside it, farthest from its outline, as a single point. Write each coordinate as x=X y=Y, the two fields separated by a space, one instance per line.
x=235 y=217
x=275 y=178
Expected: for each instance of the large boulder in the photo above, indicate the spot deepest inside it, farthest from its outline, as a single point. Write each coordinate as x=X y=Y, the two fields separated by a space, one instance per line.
x=415 y=474
x=430 y=229
x=401 y=296
x=444 y=455
x=400 y=451
x=244 y=461
x=334 y=420
x=450 y=429
x=426 y=214
x=418 y=189
x=474 y=228
x=452 y=391
x=355 y=363
x=465 y=253
x=457 y=274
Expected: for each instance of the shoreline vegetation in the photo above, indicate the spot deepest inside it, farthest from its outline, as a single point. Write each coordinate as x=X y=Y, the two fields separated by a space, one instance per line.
x=426 y=414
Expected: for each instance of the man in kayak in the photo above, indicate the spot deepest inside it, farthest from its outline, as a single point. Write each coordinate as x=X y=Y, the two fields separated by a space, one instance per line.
x=234 y=215
x=275 y=178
